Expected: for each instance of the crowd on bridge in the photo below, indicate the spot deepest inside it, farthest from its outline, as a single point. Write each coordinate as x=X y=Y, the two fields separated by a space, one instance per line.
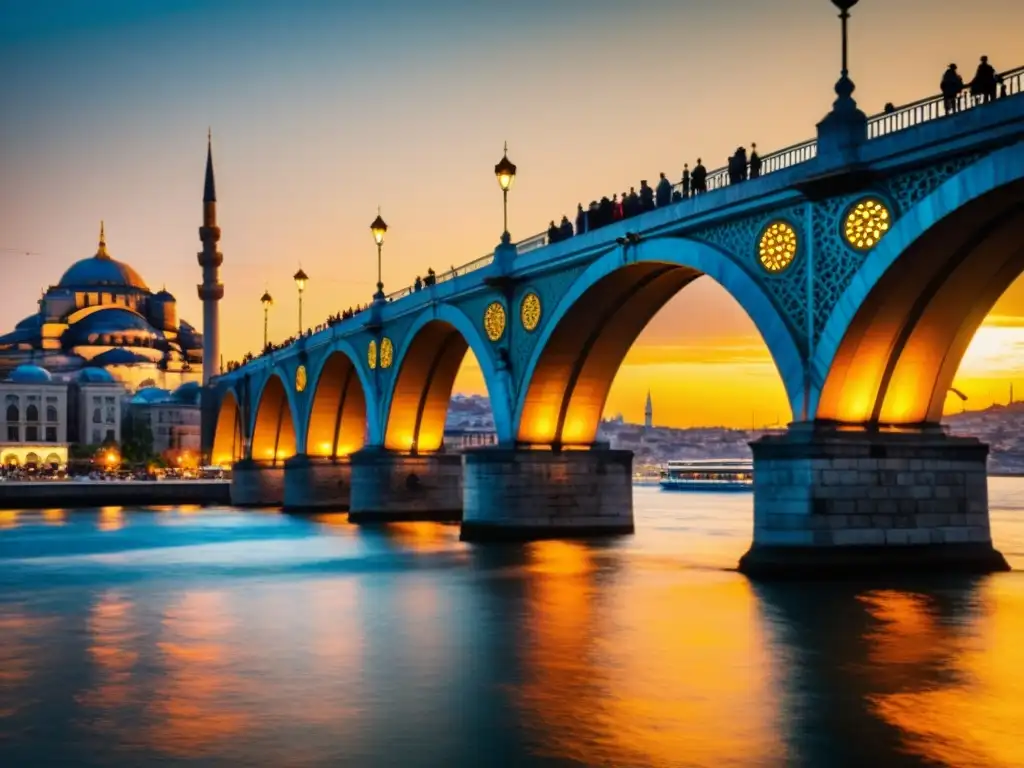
x=985 y=87
x=601 y=213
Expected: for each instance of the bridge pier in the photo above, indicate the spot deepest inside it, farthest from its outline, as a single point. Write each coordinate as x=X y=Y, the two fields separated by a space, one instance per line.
x=522 y=494
x=313 y=483
x=254 y=484
x=829 y=502
x=389 y=486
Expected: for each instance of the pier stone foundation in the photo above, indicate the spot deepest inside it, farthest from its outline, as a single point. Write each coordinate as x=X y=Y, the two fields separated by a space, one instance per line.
x=256 y=485
x=316 y=484
x=829 y=502
x=521 y=494
x=389 y=486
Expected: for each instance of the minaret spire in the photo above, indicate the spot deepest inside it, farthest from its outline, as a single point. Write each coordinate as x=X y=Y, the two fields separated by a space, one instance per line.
x=101 y=251
x=211 y=290
x=209 y=190
x=649 y=411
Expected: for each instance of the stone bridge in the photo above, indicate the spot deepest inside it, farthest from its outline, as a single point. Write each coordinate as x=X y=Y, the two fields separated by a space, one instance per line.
x=866 y=257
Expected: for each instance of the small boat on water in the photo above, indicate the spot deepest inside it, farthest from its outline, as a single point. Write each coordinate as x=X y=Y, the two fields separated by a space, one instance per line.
x=721 y=475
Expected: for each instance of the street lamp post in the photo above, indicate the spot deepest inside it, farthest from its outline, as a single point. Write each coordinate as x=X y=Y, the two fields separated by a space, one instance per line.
x=844 y=7
x=378 y=228
x=300 y=278
x=267 y=301
x=505 y=171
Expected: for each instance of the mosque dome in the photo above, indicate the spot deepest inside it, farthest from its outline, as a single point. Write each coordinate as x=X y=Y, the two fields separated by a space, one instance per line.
x=119 y=356
x=111 y=320
x=187 y=394
x=29 y=374
x=92 y=375
x=101 y=270
x=148 y=395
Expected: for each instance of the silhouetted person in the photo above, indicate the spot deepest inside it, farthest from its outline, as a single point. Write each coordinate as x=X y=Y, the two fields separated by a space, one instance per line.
x=631 y=206
x=617 y=208
x=889 y=108
x=553 y=233
x=983 y=86
x=593 y=216
x=431 y=276
x=741 y=162
x=604 y=211
x=1002 y=86
x=565 y=229
x=581 y=219
x=700 y=178
x=646 y=196
x=951 y=86
x=755 y=162
x=664 y=191
x=686 y=179
x=732 y=164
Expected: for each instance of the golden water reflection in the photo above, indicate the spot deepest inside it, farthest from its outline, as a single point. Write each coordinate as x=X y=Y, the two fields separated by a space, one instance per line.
x=658 y=672
x=952 y=684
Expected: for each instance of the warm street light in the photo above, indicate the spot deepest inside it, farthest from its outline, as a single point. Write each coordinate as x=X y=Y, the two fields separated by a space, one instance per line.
x=267 y=301
x=300 y=278
x=378 y=228
x=505 y=171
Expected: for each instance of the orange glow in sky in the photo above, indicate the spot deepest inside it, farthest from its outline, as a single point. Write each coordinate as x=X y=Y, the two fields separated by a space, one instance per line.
x=321 y=112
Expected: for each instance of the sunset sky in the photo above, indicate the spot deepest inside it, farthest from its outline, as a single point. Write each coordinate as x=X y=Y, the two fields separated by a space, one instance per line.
x=322 y=110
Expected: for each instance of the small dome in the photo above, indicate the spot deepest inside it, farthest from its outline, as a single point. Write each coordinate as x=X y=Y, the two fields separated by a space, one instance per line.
x=187 y=394
x=109 y=320
x=164 y=295
x=149 y=395
x=119 y=356
x=30 y=374
x=93 y=375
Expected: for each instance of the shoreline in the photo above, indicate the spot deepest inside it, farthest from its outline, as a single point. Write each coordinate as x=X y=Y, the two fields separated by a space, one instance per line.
x=70 y=494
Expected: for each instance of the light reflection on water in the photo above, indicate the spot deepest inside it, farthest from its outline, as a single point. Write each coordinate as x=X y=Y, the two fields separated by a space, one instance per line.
x=228 y=638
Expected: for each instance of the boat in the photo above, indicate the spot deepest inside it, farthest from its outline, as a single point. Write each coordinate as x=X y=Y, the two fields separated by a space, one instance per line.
x=721 y=475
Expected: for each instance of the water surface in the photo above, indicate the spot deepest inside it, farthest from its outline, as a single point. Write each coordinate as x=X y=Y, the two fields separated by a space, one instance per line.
x=228 y=638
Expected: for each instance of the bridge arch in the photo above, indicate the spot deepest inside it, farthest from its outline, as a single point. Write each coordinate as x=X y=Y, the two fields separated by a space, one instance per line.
x=426 y=364
x=229 y=432
x=581 y=347
x=338 y=420
x=894 y=342
x=273 y=431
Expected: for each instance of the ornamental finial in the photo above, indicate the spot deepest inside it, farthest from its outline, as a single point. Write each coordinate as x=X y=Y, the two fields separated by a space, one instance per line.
x=101 y=252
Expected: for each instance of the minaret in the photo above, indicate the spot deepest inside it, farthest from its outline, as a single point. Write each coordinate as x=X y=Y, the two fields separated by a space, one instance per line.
x=212 y=290
x=649 y=412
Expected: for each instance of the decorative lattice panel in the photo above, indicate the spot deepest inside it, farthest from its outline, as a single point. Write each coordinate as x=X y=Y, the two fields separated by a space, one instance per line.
x=835 y=263
x=739 y=240
x=911 y=187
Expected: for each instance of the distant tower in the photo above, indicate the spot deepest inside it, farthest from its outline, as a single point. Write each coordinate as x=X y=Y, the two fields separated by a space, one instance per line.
x=1011 y=393
x=212 y=290
x=649 y=412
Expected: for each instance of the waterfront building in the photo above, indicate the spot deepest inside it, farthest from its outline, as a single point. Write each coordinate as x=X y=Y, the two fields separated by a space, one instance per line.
x=35 y=413
x=459 y=439
x=95 y=403
x=172 y=417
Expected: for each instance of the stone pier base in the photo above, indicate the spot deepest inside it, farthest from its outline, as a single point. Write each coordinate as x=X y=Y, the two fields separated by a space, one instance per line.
x=316 y=484
x=521 y=494
x=856 y=503
x=388 y=486
x=256 y=485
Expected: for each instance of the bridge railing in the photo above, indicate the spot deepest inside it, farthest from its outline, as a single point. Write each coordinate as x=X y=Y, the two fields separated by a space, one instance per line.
x=934 y=107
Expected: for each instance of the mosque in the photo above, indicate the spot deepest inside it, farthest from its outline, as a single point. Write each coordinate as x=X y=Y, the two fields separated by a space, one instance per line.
x=101 y=314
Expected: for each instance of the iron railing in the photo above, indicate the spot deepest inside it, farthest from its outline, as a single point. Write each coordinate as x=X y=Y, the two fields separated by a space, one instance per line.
x=1011 y=83
x=934 y=107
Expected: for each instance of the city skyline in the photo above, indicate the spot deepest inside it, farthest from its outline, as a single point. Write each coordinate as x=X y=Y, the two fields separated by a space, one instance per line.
x=319 y=115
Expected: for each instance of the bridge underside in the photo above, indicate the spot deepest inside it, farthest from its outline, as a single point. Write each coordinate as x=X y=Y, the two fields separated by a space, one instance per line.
x=904 y=345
